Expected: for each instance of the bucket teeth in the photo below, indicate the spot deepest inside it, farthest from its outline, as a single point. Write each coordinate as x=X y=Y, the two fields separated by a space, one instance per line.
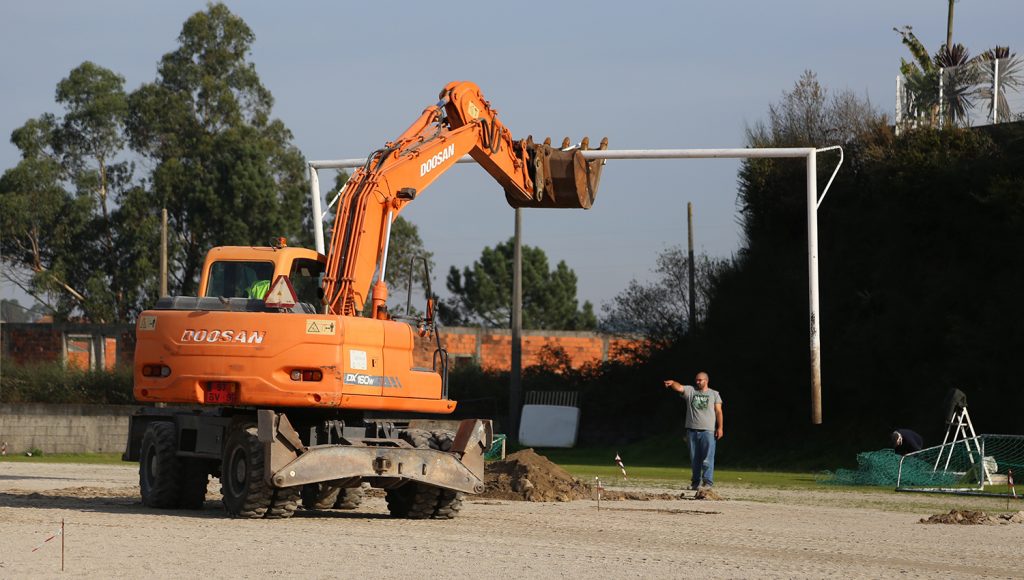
x=562 y=178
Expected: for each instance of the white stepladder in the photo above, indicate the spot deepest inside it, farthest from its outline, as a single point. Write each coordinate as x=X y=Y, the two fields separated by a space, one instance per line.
x=962 y=431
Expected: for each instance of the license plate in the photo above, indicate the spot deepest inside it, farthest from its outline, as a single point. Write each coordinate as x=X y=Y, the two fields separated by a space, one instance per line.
x=220 y=393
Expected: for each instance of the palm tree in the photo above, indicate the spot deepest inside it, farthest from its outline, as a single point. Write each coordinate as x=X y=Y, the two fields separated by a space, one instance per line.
x=1008 y=78
x=960 y=77
x=922 y=79
x=963 y=80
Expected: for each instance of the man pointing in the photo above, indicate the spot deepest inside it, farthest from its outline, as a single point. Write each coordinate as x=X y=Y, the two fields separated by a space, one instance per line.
x=704 y=425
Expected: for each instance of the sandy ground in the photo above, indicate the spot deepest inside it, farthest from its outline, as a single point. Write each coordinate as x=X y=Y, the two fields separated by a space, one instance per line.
x=752 y=533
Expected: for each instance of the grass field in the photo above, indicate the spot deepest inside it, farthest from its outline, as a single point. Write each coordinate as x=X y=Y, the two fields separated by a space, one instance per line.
x=93 y=458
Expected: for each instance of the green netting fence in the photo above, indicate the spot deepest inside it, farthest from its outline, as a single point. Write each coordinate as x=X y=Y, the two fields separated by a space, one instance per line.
x=975 y=462
x=882 y=468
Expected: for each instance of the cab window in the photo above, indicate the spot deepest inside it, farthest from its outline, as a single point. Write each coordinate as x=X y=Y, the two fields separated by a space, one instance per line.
x=305 y=278
x=238 y=279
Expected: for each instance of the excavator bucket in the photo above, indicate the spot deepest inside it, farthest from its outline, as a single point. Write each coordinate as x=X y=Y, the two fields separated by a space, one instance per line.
x=562 y=178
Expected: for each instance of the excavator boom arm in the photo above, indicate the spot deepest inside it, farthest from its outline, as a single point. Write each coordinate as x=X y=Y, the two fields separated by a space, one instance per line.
x=461 y=123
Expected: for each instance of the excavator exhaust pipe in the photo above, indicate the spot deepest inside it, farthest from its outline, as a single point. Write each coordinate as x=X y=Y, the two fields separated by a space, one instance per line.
x=562 y=178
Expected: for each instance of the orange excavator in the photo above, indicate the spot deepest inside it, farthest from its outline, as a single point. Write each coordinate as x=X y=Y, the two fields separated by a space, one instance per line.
x=273 y=380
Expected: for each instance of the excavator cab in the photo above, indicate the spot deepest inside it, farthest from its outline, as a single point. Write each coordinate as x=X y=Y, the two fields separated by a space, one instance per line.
x=562 y=178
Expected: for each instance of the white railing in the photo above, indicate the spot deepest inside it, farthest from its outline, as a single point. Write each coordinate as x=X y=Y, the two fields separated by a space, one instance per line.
x=984 y=92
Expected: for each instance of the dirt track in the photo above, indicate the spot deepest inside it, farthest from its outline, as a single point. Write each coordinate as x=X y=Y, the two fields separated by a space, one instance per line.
x=755 y=533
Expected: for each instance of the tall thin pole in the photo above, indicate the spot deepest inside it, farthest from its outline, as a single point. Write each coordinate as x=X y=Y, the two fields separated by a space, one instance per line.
x=949 y=26
x=515 y=376
x=995 y=93
x=163 y=252
x=693 y=289
x=812 y=259
x=942 y=73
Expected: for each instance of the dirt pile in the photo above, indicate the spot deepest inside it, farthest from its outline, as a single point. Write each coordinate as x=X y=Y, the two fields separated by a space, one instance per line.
x=707 y=493
x=974 y=518
x=526 y=476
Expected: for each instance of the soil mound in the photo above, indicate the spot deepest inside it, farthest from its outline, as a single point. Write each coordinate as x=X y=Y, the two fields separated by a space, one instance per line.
x=707 y=493
x=527 y=476
x=973 y=518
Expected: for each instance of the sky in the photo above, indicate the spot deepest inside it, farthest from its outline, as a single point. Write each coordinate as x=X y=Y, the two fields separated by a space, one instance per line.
x=349 y=76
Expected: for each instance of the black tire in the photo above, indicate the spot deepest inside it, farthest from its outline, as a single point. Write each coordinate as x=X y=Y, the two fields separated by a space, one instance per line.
x=195 y=479
x=320 y=496
x=419 y=438
x=414 y=500
x=160 y=475
x=449 y=502
x=244 y=492
x=349 y=498
x=283 y=503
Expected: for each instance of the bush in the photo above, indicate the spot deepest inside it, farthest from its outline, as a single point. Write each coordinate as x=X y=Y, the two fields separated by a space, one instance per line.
x=52 y=383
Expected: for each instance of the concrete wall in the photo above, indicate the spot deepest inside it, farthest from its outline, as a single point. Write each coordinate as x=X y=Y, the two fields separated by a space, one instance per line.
x=64 y=428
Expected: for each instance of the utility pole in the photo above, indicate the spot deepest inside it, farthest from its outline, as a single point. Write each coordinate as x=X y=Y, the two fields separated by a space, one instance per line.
x=515 y=376
x=949 y=26
x=692 y=292
x=163 y=252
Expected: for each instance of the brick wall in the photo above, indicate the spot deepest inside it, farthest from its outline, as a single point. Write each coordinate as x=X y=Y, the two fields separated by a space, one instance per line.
x=83 y=346
x=490 y=348
x=27 y=343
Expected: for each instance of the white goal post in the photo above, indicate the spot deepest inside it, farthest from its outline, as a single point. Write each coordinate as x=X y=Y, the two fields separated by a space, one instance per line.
x=813 y=202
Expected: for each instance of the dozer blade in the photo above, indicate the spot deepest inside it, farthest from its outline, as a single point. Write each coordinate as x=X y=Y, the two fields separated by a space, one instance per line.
x=561 y=179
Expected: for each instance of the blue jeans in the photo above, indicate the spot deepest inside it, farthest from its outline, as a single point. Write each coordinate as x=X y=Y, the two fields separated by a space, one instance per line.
x=702 y=457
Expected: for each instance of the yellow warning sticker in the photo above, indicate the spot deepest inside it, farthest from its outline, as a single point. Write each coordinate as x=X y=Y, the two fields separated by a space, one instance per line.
x=318 y=326
x=147 y=322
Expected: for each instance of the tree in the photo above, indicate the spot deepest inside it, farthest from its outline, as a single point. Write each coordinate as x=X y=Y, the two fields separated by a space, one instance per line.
x=482 y=294
x=42 y=221
x=12 y=311
x=1007 y=76
x=660 y=310
x=964 y=79
x=64 y=242
x=226 y=172
x=808 y=116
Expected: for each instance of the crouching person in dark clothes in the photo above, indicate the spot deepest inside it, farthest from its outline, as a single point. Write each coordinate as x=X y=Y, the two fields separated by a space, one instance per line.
x=905 y=441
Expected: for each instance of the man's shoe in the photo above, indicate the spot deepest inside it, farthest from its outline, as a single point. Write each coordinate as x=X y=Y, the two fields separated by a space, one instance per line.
x=694 y=487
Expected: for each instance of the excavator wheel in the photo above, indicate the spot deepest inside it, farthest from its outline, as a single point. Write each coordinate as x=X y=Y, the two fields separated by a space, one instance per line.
x=414 y=500
x=283 y=503
x=159 y=467
x=245 y=493
x=320 y=496
x=449 y=502
x=195 y=478
x=349 y=498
